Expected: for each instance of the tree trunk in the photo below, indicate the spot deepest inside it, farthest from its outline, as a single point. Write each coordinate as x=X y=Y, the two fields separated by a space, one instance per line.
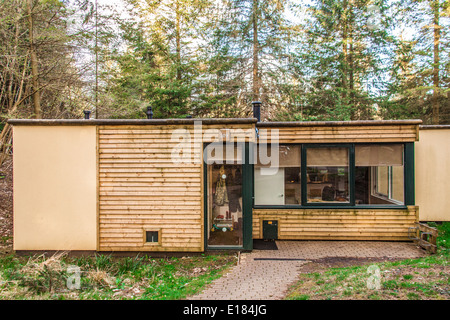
x=344 y=50
x=437 y=35
x=178 y=40
x=351 y=68
x=34 y=64
x=96 y=60
x=256 y=82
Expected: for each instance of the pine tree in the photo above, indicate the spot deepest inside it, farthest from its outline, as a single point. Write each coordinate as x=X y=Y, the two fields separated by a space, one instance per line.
x=250 y=55
x=161 y=62
x=423 y=93
x=342 y=58
x=39 y=74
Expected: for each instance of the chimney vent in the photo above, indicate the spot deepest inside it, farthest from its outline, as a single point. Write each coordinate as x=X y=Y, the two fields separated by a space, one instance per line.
x=257 y=110
x=149 y=113
x=87 y=114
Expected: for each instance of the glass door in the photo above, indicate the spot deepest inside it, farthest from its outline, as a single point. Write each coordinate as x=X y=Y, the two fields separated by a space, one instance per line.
x=224 y=193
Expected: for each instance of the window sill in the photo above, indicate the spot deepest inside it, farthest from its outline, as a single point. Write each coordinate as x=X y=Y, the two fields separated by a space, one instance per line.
x=333 y=206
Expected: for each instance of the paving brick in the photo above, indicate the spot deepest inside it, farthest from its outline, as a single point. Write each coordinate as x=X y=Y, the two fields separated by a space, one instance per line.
x=269 y=279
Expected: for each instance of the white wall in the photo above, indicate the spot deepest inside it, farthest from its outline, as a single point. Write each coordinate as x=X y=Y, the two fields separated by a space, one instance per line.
x=432 y=173
x=55 y=188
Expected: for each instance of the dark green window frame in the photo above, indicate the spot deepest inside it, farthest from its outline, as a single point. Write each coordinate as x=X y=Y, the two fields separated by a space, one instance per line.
x=351 y=175
x=409 y=187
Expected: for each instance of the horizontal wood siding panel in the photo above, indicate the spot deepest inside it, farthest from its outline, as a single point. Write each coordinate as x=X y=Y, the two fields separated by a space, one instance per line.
x=342 y=134
x=141 y=188
x=338 y=224
x=163 y=134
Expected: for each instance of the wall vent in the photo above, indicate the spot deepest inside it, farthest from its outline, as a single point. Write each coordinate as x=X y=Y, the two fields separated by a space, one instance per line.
x=151 y=236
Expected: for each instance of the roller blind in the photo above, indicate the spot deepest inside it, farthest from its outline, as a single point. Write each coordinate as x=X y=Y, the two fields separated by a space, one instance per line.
x=379 y=155
x=327 y=157
x=218 y=153
x=288 y=156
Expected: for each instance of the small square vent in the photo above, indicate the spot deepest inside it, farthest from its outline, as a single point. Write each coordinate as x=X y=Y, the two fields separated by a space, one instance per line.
x=151 y=236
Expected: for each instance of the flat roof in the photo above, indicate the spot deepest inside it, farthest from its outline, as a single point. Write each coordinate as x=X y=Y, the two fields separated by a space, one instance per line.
x=430 y=127
x=189 y=121
x=93 y=122
x=339 y=123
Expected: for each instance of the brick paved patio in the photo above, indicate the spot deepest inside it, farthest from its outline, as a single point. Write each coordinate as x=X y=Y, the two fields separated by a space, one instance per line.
x=267 y=274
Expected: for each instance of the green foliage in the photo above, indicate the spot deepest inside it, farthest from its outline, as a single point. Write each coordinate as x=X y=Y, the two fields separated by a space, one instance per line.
x=302 y=297
x=58 y=44
x=341 y=59
x=306 y=61
x=423 y=278
x=107 y=277
x=420 y=278
x=420 y=65
x=443 y=240
x=254 y=50
x=159 y=68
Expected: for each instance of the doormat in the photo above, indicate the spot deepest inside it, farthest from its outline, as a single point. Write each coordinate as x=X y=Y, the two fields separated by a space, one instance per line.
x=264 y=245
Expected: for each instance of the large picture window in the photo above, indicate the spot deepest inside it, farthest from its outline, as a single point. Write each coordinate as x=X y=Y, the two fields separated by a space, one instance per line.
x=379 y=174
x=279 y=184
x=336 y=175
x=327 y=175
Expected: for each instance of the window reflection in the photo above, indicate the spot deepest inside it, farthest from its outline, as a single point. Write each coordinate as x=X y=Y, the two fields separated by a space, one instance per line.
x=327 y=175
x=279 y=185
x=379 y=174
x=225 y=211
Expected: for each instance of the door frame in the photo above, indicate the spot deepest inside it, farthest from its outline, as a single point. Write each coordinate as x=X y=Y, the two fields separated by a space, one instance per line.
x=247 y=199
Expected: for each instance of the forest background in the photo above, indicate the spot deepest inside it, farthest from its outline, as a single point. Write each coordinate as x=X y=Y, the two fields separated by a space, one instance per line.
x=304 y=60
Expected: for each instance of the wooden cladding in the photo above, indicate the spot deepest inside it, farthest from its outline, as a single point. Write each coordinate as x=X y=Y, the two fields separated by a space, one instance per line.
x=141 y=189
x=150 y=178
x=338 y=224
x=340 y=134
